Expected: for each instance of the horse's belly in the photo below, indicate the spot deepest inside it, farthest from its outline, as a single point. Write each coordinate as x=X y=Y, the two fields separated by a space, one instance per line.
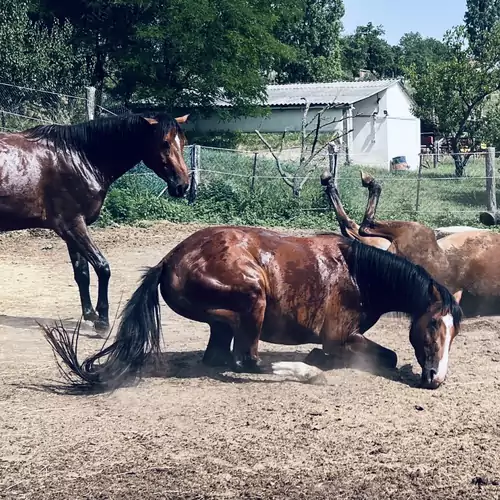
x=294 y=326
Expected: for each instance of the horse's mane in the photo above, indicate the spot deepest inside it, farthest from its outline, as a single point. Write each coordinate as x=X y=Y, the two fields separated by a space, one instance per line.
x=389 y=282
x=96 y=138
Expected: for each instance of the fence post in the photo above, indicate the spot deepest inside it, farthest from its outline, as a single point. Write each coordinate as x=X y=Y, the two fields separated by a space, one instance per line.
x=491 y=217
x=254 y=170
x=419 y=178
x=90 y=102
x=333 y=160
x=195 y=173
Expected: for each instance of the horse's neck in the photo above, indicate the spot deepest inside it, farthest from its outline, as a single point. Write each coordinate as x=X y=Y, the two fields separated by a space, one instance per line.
x=110 y=171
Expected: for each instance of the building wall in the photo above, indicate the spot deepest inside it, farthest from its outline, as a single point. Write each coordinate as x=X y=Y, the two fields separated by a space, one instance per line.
x=403 y=127
x=276 y=122
x=404 y=139
x=374 y=141
x=369 y=142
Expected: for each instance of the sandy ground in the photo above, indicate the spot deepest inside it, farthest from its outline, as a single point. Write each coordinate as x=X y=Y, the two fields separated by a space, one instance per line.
x=194 y=433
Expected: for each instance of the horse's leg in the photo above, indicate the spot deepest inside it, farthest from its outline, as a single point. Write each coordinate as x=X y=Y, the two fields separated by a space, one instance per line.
x=374 y=191
x=82 y=278
x=218 y=351
x=347 y=226
x=359 y=344
x=246 y=338
x=78 y=236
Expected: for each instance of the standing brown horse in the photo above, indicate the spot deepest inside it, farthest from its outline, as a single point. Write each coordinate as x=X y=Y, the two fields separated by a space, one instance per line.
x=258 y=284
x=468 y=261
x=57 y=176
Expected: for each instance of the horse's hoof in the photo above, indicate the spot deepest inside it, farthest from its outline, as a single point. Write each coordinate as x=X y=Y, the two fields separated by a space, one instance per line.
x=91 y=316
x=247 y=364
x=390 y=360
x=366 y=179
x=101 y=327
x=217 y=358
x=325 y=178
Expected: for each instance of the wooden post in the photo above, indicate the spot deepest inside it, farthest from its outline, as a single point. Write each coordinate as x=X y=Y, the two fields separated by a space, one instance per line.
x=491 y=217
x=90 y=102
x=419 y=178
x=490 y=181
x=195 y=173
x=254 y=170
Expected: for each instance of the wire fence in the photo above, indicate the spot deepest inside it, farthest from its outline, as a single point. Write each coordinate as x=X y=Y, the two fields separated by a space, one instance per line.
x=432 y=194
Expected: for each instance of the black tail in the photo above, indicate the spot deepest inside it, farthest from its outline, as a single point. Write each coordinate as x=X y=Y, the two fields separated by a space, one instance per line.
x=138 y=336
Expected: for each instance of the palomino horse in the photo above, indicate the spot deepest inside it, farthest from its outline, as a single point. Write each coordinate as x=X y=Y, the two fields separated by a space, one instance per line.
x=57 y=176
x=258 y=284
x=467 y=261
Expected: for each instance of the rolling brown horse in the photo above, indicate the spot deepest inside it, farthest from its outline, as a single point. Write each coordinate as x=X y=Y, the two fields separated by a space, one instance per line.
x=57 y=177
x=467 y=261
x=258 y=284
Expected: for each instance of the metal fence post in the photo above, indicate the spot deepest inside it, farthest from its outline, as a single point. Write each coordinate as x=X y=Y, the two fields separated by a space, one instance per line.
x=90 y=102
x=195 y=173
x=254 y=170
x=333 y=160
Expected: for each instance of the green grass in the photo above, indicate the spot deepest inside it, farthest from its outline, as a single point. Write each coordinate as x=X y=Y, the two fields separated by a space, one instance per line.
x=225 y=195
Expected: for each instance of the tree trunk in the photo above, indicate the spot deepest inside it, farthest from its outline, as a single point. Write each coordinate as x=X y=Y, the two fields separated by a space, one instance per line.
x=460 y=159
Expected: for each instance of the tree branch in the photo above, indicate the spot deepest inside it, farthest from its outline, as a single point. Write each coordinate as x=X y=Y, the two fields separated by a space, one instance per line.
x=304 y=131
x=283 y=174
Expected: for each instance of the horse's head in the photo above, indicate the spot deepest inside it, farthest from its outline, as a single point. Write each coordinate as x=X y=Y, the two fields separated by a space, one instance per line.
x=431 y=336
x=165 y=157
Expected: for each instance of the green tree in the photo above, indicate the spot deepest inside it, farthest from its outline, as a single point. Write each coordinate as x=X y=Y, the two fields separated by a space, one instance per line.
x=415 y=50
x=451 y=94
x=480 y=19
x=366 y=49
x=313 y=31
x=177 y=52
x=33 y=55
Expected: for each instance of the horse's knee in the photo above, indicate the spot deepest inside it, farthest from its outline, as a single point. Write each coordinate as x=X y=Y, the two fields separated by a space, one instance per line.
x=103 y=270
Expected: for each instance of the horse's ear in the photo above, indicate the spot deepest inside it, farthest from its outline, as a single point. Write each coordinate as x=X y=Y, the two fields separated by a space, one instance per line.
x=151 y=121
x=433 y=291
x=458 y=296
x=182 y=119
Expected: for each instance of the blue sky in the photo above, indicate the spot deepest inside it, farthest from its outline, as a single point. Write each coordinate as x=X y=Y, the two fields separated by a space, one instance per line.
x=429 y=17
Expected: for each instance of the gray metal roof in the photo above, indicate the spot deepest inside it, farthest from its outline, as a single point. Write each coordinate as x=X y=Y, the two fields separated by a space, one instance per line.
x=339 y=93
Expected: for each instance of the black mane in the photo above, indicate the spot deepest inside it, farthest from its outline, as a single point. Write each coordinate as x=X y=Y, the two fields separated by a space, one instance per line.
x=390 y=283
x=109 y=138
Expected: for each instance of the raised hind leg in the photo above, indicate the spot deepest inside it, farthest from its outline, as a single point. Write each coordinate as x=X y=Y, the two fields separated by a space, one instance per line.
x=218 y=351
x=82 y=278
x=347 y=226
x=77 y=235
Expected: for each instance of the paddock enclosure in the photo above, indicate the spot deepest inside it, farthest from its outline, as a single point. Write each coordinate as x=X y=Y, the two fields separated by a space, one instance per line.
x=190 y=432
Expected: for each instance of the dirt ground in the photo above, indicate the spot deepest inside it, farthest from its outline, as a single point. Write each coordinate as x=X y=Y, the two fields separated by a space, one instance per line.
x=193 y=433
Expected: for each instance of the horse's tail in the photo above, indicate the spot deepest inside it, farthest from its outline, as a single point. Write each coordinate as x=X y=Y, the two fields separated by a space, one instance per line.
x=139 y=335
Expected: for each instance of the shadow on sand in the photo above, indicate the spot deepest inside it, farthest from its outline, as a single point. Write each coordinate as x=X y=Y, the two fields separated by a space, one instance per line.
x=188 y=365
x=32 y=322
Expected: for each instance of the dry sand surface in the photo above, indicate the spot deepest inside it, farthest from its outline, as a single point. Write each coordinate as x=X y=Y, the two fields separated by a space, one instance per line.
x=192 y=433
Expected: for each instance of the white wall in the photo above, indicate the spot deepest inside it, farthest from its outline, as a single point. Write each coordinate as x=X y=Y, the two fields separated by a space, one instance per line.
x=276 y=122
x=377 y=141
x=404 y=139
x=369 y=144
x=403 y=127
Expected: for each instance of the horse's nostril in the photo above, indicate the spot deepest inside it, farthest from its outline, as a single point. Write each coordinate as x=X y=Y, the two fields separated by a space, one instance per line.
x=180 y=190
x=432 y=374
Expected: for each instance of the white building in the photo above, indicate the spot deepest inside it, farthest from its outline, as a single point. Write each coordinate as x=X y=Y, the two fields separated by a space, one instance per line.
x=375 y=117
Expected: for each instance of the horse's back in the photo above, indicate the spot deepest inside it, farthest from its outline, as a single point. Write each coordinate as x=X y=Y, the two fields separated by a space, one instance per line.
x=225 y=267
